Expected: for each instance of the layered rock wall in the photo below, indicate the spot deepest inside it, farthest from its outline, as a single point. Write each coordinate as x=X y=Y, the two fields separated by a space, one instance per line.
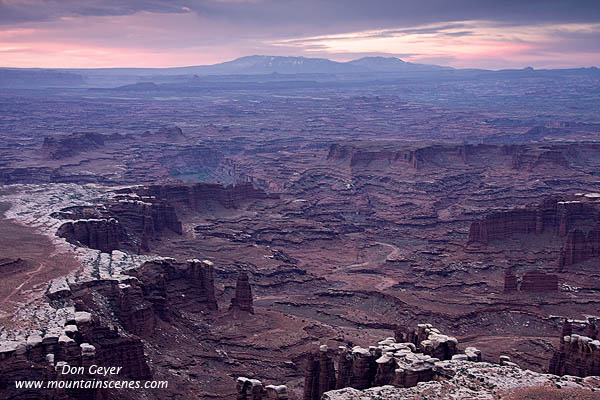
x=253 y=389
x=417 y=158
x=105 y=235
x=519 y=157
x=578 y=355
x=537 y=281
x=392 y=362
x=510 y=281
x=577 y=220
x=580 y=246
x=242 y=301
x=123 y=223
x=534 y=281
x=196 y=196
x=83 y=342
x=553 y=215
x=156 y=289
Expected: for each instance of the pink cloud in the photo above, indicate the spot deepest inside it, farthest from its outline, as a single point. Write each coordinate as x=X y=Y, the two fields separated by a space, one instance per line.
x=147 y=39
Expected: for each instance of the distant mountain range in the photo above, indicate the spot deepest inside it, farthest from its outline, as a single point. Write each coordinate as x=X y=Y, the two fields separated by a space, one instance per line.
x=257 y=65
x=244 y=68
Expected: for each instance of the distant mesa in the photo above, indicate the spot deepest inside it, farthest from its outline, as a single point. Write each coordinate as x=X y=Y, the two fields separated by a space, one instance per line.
x=392 y=64
x=170 y=131
x=149 y=80
x=39 y=78
x=67 y=146
x=261 y=64
x=140 y=86
x=142 y=79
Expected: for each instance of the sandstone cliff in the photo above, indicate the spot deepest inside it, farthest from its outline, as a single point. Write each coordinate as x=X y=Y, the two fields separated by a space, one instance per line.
x=466 y=380
x=578 y=355
x=102 y=234
x=157 y=289
x=195 y=196
x=123 y=223
x=576 y=219
x=242 y=301
x=82 y=342
x=417 y=157
x=61 y=147
x=403 y=362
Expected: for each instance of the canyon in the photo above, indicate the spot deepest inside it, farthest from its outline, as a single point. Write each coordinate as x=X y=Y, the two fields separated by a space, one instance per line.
x=305 y=244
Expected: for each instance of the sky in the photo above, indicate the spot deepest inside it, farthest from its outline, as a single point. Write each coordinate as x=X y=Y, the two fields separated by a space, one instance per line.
x=493 y=34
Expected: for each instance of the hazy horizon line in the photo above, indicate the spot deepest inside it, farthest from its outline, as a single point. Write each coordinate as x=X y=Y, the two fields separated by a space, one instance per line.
x=294 y=56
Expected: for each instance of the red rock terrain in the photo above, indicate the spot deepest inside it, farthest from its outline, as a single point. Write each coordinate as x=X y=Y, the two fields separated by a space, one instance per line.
x=318 y=243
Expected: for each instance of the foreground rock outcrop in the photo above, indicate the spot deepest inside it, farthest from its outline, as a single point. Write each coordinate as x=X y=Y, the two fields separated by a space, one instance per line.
x=466 y=380
x=402 y=362
x=84 y=341
x=253 y=389
x=578 y=355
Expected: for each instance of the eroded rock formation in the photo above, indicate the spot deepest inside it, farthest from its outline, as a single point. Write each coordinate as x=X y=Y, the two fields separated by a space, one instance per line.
x=196 y=196
x=253 y=389
x=82 y=342
x=157 y=289
x=102 y=234
x=67 y=146
x=394 y=361
x=537 y=281
x=429 y=340
x=242 y=301
x=578 y=355
x=552 y=215
x=126 y=222
x=510 y=281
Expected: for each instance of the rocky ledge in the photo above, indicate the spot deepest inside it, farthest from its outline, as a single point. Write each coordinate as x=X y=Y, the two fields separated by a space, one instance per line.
x=402 y=361
x=459 y=379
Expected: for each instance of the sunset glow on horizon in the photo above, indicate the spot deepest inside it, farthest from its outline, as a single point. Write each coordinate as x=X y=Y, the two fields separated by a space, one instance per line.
x=208 y=32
